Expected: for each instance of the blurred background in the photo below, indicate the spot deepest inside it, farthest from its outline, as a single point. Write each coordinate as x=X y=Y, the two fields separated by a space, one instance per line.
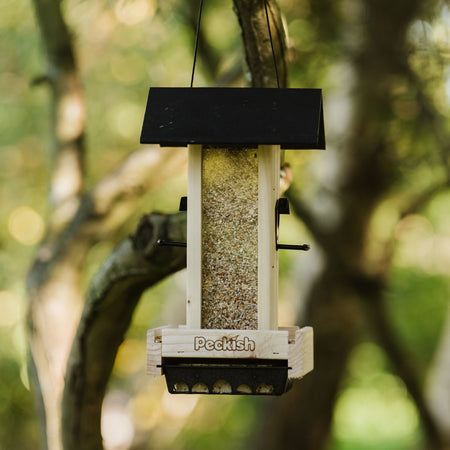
x=125 y=46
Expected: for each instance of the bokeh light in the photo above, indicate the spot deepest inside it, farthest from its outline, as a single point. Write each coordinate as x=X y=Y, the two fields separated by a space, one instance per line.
x=117 y=425
x=131 y=357
x=125 y=120
x=133 y=12
x=375 y=403
x=26 y=226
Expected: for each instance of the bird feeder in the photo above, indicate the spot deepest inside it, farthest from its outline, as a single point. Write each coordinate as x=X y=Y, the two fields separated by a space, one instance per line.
x=231 y=342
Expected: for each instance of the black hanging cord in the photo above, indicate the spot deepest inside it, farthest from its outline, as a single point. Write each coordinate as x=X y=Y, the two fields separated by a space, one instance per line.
x=271 y=44
x=196 y=40
x=197 y=37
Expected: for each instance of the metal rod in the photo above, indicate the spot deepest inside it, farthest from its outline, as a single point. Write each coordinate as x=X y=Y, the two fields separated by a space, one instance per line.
x=171 y=243
x=304 y=247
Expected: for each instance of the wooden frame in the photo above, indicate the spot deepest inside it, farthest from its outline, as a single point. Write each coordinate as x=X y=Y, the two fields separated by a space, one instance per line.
x=288 y=343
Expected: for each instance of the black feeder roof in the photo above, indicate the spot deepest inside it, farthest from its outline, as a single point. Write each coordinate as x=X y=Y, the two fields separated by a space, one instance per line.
x=291 y=118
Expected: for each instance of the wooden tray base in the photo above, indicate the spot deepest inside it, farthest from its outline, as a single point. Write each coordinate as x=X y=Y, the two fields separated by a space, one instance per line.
x=248 y=362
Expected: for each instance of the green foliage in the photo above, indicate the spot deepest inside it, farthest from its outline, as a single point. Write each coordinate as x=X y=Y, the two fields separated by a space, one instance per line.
x=373 y=410
x=17 y=410
x=418 y=305
x=23 y=123
x=228 y=428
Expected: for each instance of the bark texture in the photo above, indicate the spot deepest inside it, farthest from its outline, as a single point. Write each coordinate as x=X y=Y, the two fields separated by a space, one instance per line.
x=57 y=294
x=255 y=34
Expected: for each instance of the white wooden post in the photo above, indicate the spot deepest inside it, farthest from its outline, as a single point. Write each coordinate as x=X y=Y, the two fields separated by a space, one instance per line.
x=194 y=238
x=268 y=192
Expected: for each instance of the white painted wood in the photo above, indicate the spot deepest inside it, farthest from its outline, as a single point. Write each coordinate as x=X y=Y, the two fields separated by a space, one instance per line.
x=301 y=353
x=154 y=352
x=194 y=237
x=268 y=192
x=209 y=343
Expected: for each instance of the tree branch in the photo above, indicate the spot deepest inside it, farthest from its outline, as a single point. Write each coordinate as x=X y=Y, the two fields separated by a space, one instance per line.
x=136 y=264
x=68 y=107
x=65 y=188
x=105 y=208
x=255 y=34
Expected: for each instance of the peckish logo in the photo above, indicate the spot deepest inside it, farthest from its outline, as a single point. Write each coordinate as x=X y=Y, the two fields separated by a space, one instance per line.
x=224 y=344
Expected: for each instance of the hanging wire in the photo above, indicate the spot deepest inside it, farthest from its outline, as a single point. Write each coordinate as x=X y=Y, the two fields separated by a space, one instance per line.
x=271 y=44
x=197 y=38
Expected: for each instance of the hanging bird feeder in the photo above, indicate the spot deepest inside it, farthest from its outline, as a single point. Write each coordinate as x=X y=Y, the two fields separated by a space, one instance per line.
x=231 y=343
